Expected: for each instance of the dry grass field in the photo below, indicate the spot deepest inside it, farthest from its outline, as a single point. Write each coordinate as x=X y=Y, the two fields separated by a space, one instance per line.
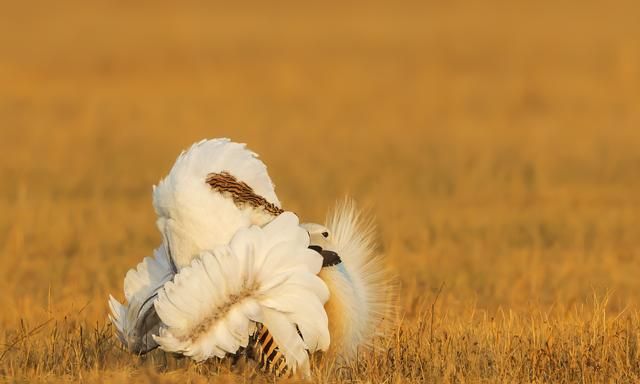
x=496 y=143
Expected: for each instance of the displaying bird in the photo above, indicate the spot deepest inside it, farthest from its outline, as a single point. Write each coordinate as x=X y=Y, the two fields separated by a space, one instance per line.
x=218 y=215
x=214 y=189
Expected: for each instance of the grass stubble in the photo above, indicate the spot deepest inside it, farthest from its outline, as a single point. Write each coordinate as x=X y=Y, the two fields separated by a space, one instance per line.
x=496 y=145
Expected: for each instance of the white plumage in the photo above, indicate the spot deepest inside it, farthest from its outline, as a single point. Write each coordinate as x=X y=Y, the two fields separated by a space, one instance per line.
x=265 y=275
x=191 y=216
x=135 y=321
x=235 y=269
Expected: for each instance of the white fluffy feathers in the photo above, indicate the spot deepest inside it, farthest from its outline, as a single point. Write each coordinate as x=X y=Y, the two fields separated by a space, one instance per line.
x=265 y=275
x=232 y=258
x=136 y=320
x=191 y=216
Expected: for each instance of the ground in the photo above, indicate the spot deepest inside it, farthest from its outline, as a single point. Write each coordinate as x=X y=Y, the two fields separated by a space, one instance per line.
x=495 y=143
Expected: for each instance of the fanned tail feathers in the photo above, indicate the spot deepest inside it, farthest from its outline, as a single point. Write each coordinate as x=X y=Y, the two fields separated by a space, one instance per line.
x=200 y=202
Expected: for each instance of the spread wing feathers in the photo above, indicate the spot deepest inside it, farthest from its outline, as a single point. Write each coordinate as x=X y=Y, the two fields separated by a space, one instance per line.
x=193 y=215
x=362 y=290
x=266 y=351
x=288 y=340
x=137 y=320
x=265 y=275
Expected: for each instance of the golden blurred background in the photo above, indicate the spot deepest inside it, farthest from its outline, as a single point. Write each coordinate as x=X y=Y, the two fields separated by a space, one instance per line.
x=496 y=143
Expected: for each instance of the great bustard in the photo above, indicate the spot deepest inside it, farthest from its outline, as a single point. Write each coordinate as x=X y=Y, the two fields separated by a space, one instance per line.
x=235 y=272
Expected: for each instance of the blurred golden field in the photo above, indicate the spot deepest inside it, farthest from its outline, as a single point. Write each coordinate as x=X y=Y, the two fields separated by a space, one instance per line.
x=496 y=143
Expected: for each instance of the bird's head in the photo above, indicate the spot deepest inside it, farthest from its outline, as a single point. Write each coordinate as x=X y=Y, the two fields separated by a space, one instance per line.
x=318 y=234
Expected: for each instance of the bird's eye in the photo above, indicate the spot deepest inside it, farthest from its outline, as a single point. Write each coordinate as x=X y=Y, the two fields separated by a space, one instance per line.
x=325 y=234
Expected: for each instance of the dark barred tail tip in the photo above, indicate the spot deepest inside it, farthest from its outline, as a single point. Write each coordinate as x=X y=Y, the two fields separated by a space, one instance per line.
x=240 y=192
